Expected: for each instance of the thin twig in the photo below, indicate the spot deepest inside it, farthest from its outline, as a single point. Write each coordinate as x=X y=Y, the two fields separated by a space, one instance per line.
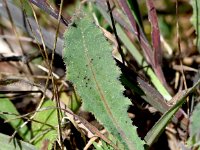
x=179 y=50
x=55 y=88
x=17 y=35
x=45 y=7
x=115 y=32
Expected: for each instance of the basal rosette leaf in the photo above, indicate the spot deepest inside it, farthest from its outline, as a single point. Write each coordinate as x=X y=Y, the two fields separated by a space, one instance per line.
x=92 y=70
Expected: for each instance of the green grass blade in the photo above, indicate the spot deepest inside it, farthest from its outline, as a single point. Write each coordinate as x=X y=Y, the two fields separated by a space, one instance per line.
x=92 y=70
x=195 y=19
x=46 y=125
x=194 y=127
x=9 y=112
x=140 y=60
x=14 y=144
x=138 y=57
x=159 y=127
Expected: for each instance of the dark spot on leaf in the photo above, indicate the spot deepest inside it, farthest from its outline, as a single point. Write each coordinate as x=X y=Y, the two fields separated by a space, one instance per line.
x=85 y=78
x=74 y=25
x=91 y=60
x=99 y=57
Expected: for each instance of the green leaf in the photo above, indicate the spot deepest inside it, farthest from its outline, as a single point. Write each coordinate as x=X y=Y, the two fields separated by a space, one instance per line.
x=195 y=19
x=14 y=144
x=45 y=127
x=25 y=5
x=159 y=127
x=92 y=70
x=9 y=112
x=102 y=146
x=194 y=127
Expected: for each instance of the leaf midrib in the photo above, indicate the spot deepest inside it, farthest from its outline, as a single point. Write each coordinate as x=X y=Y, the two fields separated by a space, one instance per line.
x=101 y=93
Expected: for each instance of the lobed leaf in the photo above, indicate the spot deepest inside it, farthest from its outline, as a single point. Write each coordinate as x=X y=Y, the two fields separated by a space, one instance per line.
x=92 y=70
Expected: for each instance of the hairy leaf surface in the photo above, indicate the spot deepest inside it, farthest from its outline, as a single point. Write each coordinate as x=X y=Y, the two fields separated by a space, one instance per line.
x=92 y=70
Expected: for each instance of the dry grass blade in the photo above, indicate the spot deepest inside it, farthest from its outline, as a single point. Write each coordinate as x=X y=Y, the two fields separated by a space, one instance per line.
x=16 y=34
x=85 y=127
x=155 y=36
x=18 y=19
x=47 y=8
x=147 y=49
x=139 y=34
x=155 y=33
